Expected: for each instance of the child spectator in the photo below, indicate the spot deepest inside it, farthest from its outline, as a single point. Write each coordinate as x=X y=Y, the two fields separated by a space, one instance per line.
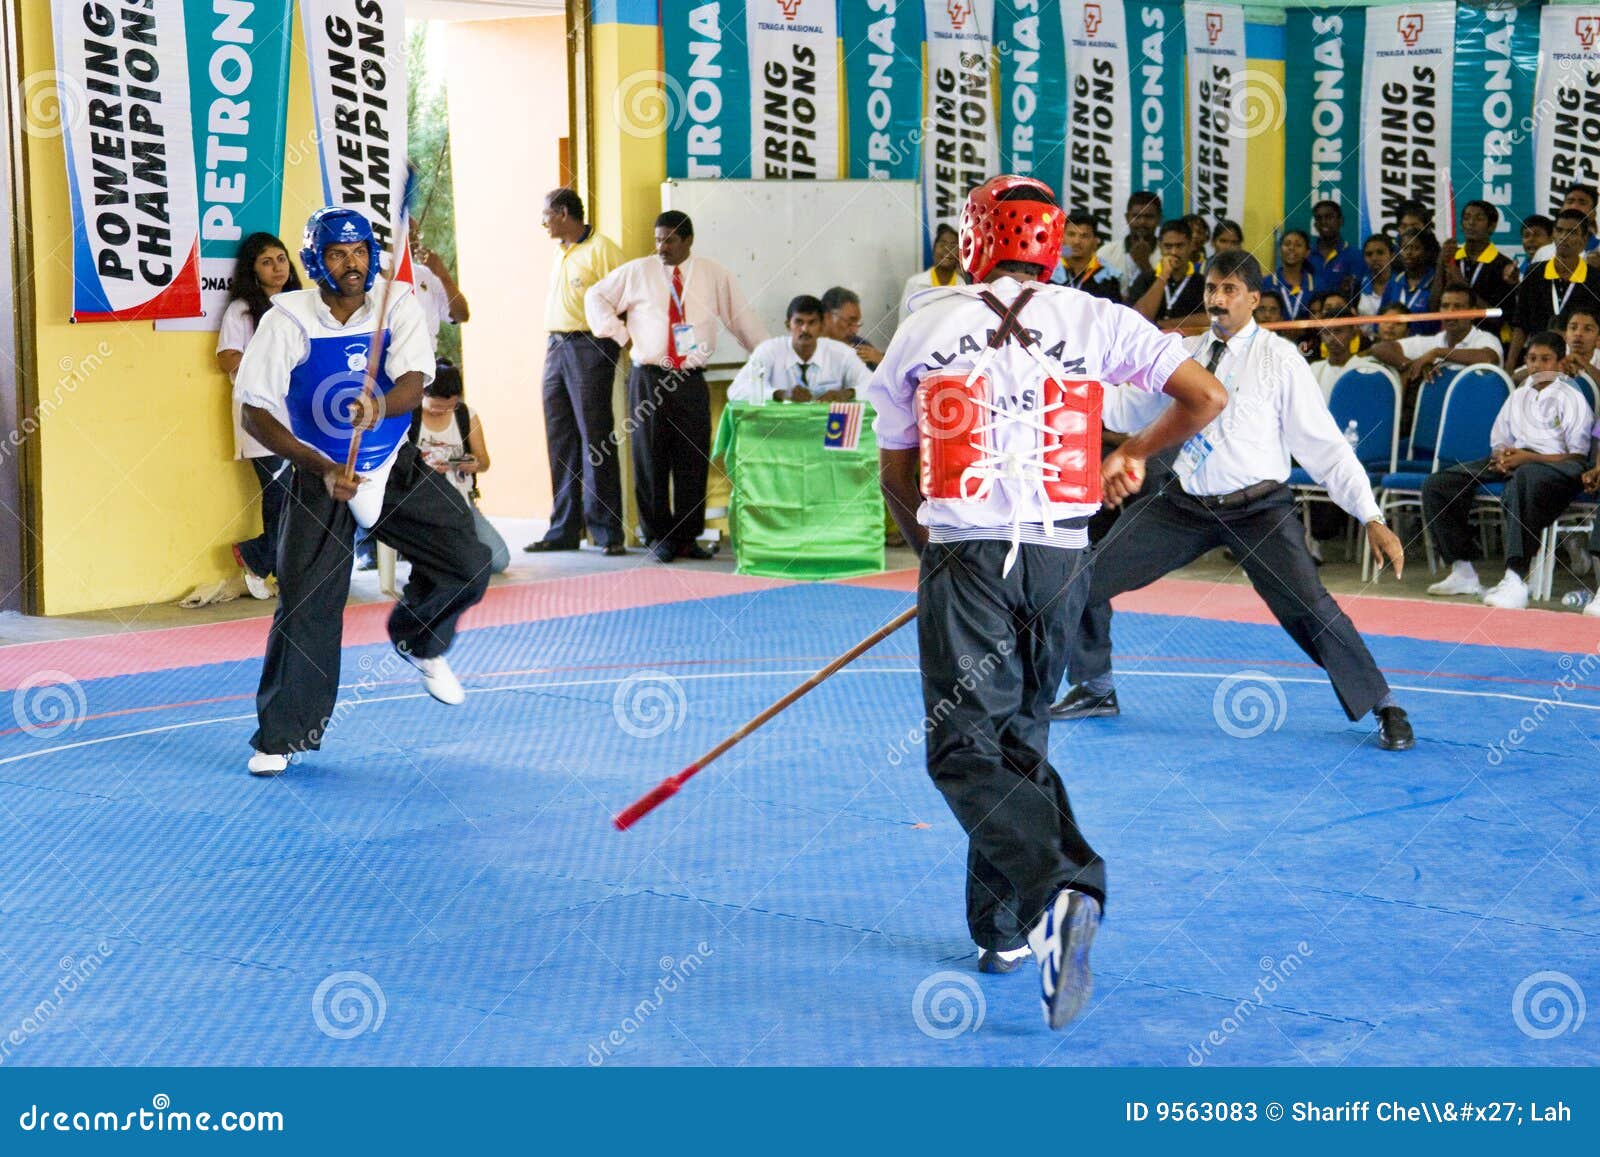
x=1541 y=447
x=261 y=271
x=1292 y=284
x=1538 y=231
x=1396 y=327
x=1412 y=285
x=1379 y=253
x=450 y=438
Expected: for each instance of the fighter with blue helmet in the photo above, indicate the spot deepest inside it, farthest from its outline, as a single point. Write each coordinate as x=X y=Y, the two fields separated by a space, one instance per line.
x=300 y=385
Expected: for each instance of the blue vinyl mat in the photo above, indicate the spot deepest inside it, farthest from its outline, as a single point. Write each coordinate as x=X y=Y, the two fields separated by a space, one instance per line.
x=442 y=886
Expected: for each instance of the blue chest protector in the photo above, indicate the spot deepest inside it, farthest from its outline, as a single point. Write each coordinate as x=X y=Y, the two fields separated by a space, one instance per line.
x=321 y=390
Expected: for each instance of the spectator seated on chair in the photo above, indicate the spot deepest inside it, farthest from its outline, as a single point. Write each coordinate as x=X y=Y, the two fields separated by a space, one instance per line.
x=1339 y=346
x=1540 y=444
x=1392 y=324
x=1458 y=343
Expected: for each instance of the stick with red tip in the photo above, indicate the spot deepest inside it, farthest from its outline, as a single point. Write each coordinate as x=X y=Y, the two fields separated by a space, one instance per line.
x=668 y=787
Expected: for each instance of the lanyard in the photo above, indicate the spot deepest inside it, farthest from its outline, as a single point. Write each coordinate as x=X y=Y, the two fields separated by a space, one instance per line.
x=1560 y=306
x=1293 y=312
x=1172 y=295
x=677 y=300
x=1227 y=382
x=1411 y=295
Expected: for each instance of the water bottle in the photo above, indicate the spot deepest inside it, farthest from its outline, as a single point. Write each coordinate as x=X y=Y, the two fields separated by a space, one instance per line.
x=1577 y=599
x=1352 y=435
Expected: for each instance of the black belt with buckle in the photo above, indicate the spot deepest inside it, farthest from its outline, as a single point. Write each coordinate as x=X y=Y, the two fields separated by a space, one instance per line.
x=1237 y=497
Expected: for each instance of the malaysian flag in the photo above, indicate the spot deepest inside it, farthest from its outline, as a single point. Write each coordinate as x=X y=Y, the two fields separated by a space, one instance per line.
x=844 y=426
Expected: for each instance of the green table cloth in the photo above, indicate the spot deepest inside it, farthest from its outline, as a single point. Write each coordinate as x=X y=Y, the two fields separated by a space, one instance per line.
x=799 y=511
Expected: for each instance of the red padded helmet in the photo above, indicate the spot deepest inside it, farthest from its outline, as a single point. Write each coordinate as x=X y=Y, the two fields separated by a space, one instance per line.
x=1022 y=229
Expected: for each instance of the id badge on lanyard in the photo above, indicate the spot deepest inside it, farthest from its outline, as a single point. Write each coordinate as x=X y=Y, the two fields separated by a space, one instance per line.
x=1198 y=448
x=683 y=339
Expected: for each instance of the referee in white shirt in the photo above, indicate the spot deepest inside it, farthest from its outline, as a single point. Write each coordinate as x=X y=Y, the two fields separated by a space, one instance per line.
x=802 y=366
x=668 y=308
x=1232 y=492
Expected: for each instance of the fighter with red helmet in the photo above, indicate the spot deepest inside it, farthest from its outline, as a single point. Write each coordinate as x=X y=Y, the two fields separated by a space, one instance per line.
x=989 y=440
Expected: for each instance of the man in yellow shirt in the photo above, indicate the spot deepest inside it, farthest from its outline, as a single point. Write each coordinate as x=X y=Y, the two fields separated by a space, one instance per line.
x=579 y=369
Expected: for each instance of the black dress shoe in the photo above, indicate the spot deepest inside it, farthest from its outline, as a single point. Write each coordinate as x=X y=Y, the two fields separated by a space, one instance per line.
x=1080 y=704
x=615 y=550
x=544 y=545
x=1394 y=729
x=695 y=551
x=664 y=551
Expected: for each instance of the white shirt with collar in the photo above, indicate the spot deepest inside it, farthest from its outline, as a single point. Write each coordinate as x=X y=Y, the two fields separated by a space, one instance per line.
x=1553 y=420
x=1088 y=337
x=1477 y=339
x=915 y=284
x=642 y=289
x=1114 y=256
x=1275 y=413
x=775 y=366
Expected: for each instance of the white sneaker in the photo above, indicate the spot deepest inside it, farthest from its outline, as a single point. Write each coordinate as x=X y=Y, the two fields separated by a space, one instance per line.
x=257 y=586
x=1509 y=594
x=1462 y=580
x=264 y=764
x=1592 y=607
x=437 y=677
x=1004 y=961
x=1061 y=941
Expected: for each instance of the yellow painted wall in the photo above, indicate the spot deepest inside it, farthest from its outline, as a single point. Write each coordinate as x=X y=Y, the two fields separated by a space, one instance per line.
x=500 y=73
x=1263 y=206
x=140 y=496
x=630 y=155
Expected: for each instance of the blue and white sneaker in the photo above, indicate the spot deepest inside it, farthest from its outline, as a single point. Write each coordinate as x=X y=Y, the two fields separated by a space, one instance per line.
x=1061 y=941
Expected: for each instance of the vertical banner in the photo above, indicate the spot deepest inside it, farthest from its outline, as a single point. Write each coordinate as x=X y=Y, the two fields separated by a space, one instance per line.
x=883 y=83
x=1156 y=42
x=239 y=102
x=959 y=146
x=1322 y=150
x=1100 y=155
x=1405 y=109
x=130 y=160
x=708 y=94
x=1497 y=58
x=1217 y=128
x=1033 y=89
x=357 y=53
x=1567 y=113
x=794 y=89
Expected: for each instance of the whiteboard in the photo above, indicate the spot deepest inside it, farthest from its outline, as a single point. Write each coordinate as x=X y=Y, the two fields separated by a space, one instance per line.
x=784 y=238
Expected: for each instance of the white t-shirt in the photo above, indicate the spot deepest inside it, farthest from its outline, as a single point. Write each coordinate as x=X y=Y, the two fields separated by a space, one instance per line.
x=1552 y=420
x=1087 y=337
x=834 y=366
x=1328 y=374
x=431 y=297
x=1476 y=339
x=234 y=333
x=442 y=445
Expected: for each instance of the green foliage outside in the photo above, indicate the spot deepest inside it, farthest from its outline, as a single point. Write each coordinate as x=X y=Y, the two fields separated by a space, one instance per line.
x=428 y=130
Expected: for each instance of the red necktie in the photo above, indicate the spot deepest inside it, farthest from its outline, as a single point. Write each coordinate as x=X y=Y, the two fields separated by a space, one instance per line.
x=675 y=319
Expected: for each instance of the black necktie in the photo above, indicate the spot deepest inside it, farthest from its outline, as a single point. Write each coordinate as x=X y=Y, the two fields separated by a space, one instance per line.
x=804 y=366
x=1218 y=348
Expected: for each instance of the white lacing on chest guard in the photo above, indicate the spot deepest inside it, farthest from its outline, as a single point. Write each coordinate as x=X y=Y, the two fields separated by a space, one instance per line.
x=963 y=458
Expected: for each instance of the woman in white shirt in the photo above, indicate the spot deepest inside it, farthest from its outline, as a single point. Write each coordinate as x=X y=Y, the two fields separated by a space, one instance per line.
x=262 y=271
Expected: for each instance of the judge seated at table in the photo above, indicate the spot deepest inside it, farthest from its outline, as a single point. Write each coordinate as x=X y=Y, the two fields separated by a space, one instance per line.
x=801 y=367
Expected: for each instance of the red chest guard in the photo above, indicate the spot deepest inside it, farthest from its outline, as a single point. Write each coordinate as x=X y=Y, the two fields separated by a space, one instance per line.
x=968 y=441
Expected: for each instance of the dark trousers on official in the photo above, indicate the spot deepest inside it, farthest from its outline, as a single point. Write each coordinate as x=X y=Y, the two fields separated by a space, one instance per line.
x=424 y=518
x=585 y=474
x=1093 y=636
x=993 y=650
x=1535 y=495
x=670 y=415
x=1173 y=529
x=260 y=553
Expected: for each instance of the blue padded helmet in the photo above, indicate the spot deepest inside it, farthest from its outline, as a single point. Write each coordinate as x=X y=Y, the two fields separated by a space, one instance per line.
x=335 y=225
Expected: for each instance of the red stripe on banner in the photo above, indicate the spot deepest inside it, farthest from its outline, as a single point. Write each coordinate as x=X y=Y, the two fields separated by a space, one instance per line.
x=135 y=652
x=181 y=298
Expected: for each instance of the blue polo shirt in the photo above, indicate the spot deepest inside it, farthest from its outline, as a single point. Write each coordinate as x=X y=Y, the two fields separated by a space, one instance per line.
x=1331 y=272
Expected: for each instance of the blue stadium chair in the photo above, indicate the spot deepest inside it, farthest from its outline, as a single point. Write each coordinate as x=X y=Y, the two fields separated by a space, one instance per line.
x=1471 y=403
x=1585 y=387
x=1425 y=421
x=1369 y=397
